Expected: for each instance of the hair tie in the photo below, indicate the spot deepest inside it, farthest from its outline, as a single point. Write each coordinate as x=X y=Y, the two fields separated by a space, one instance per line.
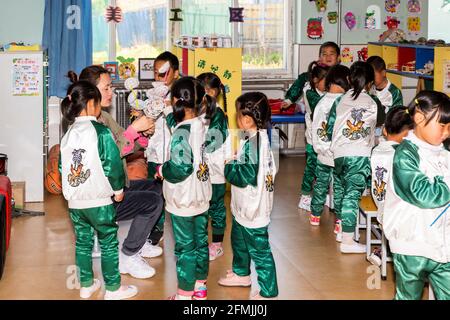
x=416 y=101
x=69 y=97
x=407 y=111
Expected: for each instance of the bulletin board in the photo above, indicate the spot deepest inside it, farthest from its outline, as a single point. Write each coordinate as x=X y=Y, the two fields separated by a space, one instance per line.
x=358 y=34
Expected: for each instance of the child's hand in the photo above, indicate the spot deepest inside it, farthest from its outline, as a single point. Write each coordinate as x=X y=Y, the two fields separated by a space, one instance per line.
x=143 y=124
x=119 y=198
x=285 y=105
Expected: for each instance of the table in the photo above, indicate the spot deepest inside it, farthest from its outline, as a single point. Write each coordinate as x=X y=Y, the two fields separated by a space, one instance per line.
x=284 y=120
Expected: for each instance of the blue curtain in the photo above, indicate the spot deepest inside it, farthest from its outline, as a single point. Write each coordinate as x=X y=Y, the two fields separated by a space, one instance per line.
x=68 y=38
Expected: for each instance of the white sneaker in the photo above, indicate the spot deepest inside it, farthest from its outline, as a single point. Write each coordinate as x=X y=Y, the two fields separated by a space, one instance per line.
x=355 y=247
x=136 y=266
x=149 y=250
x=339 y=237
x=124 y=292
x=87 y=292
x=305 y=203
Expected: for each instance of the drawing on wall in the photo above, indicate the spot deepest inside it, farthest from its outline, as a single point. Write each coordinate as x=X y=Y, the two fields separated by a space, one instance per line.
x=350 y=20
x=346 y=55
x=373 y=17
x=392 y=22
x=413 y=24
x=414 y=6
x=315 y=29
x=391 y=6
x=332 y=17
x=25 y=77
x=321 y=5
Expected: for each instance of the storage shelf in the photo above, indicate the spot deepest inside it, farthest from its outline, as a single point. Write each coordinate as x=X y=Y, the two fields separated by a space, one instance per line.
x=404 y=45
x=411 y=74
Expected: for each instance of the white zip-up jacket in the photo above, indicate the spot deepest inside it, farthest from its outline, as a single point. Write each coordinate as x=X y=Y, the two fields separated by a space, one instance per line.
x=354 y=124
x=390 y=96
x=158 y=145
x=381 y=164
x=90 y=165
x=321 y=136
x=310 y=98
x=187 y=186
x=417 y=193
x=252 y=177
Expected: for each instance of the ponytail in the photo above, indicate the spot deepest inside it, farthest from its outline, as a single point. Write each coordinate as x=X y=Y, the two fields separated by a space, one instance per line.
x=224 y=95
x=431 y=103
x=190 y=94
x=361 y=75
x=178 y=110
x=78 y=96
x=317 y=71
x=73 y=77
x=210 y=104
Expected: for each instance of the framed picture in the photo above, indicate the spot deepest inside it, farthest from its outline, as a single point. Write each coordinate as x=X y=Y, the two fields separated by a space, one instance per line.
x=146 y=69
x=113 y=68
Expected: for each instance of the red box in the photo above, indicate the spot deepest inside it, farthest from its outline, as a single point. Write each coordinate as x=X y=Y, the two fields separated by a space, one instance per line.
x=275 y=106
x=406 y=59
x=5 y=190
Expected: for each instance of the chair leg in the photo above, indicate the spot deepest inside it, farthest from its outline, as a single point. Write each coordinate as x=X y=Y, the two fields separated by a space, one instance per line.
x=383 y=256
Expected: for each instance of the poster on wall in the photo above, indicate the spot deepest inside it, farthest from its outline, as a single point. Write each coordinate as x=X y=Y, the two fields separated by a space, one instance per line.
x=25 y=77
x=446 y=84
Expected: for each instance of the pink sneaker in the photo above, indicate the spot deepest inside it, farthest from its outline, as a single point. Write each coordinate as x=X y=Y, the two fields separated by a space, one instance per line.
x=215 y=251
x=313 y=220
x=233 y=280
x=201 y=293
x=337 y=226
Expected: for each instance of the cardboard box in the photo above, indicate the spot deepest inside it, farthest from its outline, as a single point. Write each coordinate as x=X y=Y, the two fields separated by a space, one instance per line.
x=18 y=193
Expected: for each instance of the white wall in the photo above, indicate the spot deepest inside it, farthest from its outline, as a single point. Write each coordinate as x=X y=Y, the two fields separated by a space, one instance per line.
x=438 y=21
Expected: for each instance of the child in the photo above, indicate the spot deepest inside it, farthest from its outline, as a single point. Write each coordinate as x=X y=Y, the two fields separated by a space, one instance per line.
x=187 y=188
x=312 y=92
x=252 y=175
x=167 y=71
x=92 y=173
x=388 y=94
x=356 y=116
x=330 y=55
x=336 y=84
x=397 y=125
x=217 y=146
x=417 y=195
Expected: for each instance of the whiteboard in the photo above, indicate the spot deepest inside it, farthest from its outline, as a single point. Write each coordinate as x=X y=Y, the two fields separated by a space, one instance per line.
x=22 y=128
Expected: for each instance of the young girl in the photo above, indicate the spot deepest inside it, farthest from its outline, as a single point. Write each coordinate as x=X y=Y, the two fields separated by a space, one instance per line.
x=312 y=92
x=92 y=173
x=252 y=175
x=356 y=116
x=218 y=144
x=336 y=84
x=415 y=221
x=397 y=125
x=187 y=188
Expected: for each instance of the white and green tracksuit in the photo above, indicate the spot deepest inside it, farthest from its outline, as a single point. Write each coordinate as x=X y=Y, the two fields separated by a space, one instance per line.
x=218 y=149
x=390 y=97
x=187 y=190
x=311 y=98
x=352 y=142
x=252 y=178
x=418 y=191
x=92 y=172
x=321 y=138
x=381 y=165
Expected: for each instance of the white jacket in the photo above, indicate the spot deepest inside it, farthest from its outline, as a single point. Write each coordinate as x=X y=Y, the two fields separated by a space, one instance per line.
x=187 y=186
x=158 y=145
x=381 y=164
x=252 y=205
x=310 y=98
x=320 y=139
x=90 y=164
x=354 y=128
x=418 y=192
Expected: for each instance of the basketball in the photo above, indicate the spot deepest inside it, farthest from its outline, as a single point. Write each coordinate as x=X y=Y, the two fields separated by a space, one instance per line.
x=52 y=176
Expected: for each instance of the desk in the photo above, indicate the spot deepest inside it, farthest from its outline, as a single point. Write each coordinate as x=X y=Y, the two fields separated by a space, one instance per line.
x=284 y=120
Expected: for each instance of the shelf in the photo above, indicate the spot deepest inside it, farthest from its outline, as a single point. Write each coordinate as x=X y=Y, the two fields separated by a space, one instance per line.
x=404 y=45
x=411 y=74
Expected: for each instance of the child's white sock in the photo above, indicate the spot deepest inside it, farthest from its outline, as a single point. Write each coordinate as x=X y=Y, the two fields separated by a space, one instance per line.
x=347 y=237
x=181 y=297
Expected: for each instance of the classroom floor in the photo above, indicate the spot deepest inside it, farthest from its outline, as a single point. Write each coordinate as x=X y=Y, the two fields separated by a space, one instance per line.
x=309 y=264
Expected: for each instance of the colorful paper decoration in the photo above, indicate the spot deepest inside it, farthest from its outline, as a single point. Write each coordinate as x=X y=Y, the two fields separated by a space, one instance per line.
x=333 y=17
x=413 y=24
x=414 y=6
x=175 y=12
x=391 y=6
x=370 y=22
x=113 y=14
x=350 y=20
x=126 y=68
x=392 y=22
x=321 y=5
x=346 y=55
x=363 y=54
x=315 y=29
x=236 y=14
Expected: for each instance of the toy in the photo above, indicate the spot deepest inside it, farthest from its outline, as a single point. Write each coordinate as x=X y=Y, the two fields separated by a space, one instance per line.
x=315 y=29
x=350 y=20
x=427 y=69
x=409 y=66
x=126 y=68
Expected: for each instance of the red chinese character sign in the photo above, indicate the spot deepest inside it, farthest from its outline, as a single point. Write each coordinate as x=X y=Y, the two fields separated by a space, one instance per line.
x=113 y=14
x=236 y=14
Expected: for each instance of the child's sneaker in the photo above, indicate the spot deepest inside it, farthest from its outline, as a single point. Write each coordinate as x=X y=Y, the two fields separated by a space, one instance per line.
x=149 y=250
x=313 y=220
x=200 y=293
x=124 y=292
x=305 y=202
x=233 y=280
x=136 y=266
x=339 y=237
x=375 y=257
x=87 y=292
x=215 y=250
x=337 y=226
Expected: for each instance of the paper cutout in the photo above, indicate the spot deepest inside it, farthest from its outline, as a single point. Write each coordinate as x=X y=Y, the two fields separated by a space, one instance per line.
x=321 y=5
x=350 y=20
x=391 y=6
x=314 y=29
x=414 y=6
x=333 y=17
x=236 y=14
x=363 y=54
x=175 y=12
x=373 y=17
x=392 y=22
x=113 y=14
x=346 y=55
x=414 y=24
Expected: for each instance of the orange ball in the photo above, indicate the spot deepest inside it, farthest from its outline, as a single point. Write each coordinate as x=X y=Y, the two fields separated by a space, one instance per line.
x=52 y=180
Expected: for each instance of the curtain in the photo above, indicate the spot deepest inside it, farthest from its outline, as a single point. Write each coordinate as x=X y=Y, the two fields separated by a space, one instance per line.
x=68 y=38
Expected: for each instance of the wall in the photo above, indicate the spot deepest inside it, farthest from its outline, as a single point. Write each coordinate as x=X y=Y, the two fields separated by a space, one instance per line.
x=438 y=20
x=21 y=20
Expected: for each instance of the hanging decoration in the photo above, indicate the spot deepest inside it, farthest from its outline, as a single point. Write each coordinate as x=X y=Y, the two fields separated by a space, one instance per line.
x=176 y=12
x=126 y=68
x=113 y=14
x=414 y=25
x=333 y=17
x=346 y=55
x=369 y=22
x=321 y=5
x=314 y=28
x=391 y=6
x=350 y=20
x=236 y=14
x=414 y=6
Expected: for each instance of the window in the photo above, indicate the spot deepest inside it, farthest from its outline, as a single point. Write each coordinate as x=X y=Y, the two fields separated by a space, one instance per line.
x=141 y=34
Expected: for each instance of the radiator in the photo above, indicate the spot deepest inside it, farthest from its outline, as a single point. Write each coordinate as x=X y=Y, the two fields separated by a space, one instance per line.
x=122 y=107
